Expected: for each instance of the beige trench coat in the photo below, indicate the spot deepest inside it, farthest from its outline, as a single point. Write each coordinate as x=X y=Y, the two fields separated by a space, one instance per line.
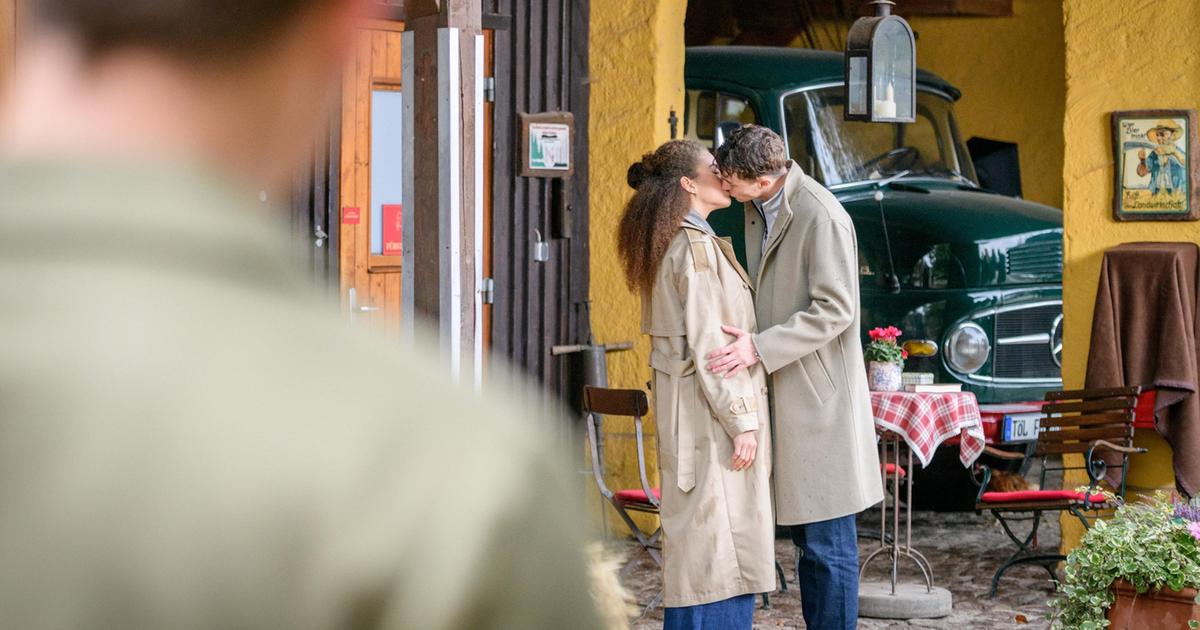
x=826 y=459
x=717 y=522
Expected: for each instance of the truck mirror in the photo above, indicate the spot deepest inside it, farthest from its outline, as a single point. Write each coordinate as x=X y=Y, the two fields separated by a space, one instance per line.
x=724 y=128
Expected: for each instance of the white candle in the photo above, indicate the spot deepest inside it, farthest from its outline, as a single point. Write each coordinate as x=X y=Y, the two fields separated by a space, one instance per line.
x=886 y=108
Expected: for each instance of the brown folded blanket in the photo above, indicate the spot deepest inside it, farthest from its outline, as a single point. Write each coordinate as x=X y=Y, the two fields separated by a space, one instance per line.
x=1144 y=332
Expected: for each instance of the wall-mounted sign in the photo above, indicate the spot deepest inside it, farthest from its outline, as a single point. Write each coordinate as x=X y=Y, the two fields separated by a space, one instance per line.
x=392 y=216
x=351 y=216
x=1155 y=175
x=547 y=143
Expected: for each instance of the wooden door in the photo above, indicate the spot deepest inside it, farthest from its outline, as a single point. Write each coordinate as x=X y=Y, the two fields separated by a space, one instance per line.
x=371 y=179
x=8 y=41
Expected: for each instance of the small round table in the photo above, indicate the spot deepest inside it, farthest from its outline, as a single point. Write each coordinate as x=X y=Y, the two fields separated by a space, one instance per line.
x=916 y=423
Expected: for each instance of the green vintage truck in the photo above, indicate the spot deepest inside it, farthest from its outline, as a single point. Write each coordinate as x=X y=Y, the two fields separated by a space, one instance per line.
x=976 y=274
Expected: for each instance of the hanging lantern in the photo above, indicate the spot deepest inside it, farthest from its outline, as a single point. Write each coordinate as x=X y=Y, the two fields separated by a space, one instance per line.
x=881 y=68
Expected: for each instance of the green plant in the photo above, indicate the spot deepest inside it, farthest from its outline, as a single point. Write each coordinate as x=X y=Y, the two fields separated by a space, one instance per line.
x=1153 y=545
x=883 y=346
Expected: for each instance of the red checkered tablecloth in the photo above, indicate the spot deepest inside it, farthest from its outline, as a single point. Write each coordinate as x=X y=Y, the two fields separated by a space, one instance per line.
x=927 y=420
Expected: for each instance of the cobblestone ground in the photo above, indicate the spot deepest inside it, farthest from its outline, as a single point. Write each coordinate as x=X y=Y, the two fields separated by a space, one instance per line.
x=964 y=548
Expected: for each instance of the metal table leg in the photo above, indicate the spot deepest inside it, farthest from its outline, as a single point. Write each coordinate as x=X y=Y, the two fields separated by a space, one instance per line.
x=897 y=550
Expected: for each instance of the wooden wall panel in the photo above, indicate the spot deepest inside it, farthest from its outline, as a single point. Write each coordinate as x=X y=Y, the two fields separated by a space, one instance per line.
x=540 y=65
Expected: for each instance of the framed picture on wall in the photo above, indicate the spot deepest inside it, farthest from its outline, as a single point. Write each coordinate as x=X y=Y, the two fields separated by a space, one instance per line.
x=1155 y=175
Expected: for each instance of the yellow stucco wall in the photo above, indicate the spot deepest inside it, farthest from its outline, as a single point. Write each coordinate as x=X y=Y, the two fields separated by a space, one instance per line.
x=1109 y=67
x=1010 y=71
x=636 y=65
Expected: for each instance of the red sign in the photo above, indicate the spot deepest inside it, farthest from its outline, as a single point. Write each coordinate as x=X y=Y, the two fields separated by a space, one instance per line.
x=350 y=216
x=392 y=229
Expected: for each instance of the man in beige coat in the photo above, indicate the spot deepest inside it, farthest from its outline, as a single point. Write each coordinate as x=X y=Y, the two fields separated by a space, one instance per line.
x=190 y=439
x=802 y=255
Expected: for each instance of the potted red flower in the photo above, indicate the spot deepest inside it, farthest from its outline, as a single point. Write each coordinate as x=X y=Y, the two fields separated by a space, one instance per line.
x=885 y=359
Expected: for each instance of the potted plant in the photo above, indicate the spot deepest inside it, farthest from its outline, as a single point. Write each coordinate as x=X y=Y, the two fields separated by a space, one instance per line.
x=1138 y=569
x=885 y=359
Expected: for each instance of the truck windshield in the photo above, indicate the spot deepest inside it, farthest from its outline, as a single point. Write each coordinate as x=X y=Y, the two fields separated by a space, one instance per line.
x=838 y=151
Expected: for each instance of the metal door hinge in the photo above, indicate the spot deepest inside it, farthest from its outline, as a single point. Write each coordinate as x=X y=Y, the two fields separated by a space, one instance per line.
x=487 y=291
x=489 y=89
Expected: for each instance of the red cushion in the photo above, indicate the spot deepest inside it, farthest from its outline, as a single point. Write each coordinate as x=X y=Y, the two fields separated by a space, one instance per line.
x=1038 y=495
x=635 y=496
x=890 y=469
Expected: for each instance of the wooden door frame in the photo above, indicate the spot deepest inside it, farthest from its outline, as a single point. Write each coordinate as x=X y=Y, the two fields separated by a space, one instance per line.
x=9 y=14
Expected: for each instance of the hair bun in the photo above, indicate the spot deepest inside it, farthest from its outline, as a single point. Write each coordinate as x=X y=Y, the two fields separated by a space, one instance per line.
x=640 y=171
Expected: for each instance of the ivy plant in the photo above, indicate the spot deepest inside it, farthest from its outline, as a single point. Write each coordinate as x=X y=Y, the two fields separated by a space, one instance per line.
x=1152 y=545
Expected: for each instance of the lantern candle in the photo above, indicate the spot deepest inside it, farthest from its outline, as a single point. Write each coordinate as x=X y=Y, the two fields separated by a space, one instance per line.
x=887 y=107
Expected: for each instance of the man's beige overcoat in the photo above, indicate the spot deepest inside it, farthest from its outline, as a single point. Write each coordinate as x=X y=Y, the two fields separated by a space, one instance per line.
x=718 y=529
x=806 y=279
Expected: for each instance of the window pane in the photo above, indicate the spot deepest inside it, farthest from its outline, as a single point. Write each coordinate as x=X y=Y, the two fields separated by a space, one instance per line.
x=839 y=151
x=706 y=119
x=735 y=109
x=858 y=86
x=387 y=171
x=893 y=71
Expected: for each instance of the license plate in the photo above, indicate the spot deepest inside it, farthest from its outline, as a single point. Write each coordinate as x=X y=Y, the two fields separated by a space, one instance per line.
x=1021 y=427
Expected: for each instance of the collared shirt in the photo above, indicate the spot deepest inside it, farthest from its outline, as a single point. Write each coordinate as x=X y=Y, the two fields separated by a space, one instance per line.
x=693 y=218
x=769 y=211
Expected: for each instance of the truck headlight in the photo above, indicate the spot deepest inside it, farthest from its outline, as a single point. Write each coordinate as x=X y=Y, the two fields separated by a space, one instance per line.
x=967 y=348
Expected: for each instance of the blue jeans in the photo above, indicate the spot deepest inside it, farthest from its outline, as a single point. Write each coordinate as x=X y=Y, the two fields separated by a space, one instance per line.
x=827 y=571
x=735 y=613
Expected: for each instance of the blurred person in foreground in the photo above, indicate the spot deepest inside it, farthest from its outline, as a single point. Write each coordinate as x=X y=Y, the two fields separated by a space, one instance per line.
x=190 y=441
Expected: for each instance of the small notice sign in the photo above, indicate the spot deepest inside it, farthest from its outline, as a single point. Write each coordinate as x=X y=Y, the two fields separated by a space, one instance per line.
x=351 y=216
x=546 y=144
x=392 y=229
x=549 y=146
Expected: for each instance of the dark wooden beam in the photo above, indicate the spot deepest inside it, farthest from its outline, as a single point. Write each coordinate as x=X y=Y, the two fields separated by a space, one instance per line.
x=918 y=8
x=390 y=10
x=444 y=207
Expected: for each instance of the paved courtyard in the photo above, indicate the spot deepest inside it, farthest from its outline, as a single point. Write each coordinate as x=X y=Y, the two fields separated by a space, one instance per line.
x=964 y=548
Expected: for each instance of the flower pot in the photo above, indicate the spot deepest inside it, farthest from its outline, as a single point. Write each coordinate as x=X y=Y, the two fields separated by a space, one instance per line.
x=1166 y=608
x=884 y=377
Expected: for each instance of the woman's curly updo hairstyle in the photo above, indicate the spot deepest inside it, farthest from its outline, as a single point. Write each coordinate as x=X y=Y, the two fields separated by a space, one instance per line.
x=658 y=206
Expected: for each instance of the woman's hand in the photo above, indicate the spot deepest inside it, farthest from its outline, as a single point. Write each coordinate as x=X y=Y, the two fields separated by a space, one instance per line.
x=745 y=446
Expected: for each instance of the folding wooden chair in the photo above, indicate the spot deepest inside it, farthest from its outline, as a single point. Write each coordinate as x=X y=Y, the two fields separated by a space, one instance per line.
x=624 y=403
x=1078 y=421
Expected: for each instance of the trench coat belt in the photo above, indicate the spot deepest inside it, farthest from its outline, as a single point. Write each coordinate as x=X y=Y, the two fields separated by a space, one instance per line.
x=685 y=440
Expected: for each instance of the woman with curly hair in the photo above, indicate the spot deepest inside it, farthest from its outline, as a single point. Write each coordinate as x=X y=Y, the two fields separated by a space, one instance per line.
x=714 y=442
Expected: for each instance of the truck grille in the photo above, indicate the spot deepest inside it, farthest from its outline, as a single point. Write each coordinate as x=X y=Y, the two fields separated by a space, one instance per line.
x=1024 y=338
x=1036 y=260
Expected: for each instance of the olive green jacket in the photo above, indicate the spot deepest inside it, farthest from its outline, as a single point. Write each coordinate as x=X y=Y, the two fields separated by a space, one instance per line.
x=189 y=440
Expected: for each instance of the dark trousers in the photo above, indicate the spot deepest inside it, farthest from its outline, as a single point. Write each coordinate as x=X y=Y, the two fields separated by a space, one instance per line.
x=827 y=570
x=735 y=613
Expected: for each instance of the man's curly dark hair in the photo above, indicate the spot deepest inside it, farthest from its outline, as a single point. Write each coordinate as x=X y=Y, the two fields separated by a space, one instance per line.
x=752 y=151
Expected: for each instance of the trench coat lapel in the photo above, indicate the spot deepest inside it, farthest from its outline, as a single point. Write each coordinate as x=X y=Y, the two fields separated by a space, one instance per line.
x=795 y=178
x=727 y=250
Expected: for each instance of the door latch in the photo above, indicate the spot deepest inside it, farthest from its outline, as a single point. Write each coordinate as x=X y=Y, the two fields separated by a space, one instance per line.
x=541 y=249
x=487 y=291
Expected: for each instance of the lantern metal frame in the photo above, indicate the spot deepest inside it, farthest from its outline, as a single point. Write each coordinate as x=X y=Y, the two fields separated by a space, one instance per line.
x=860 y=43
